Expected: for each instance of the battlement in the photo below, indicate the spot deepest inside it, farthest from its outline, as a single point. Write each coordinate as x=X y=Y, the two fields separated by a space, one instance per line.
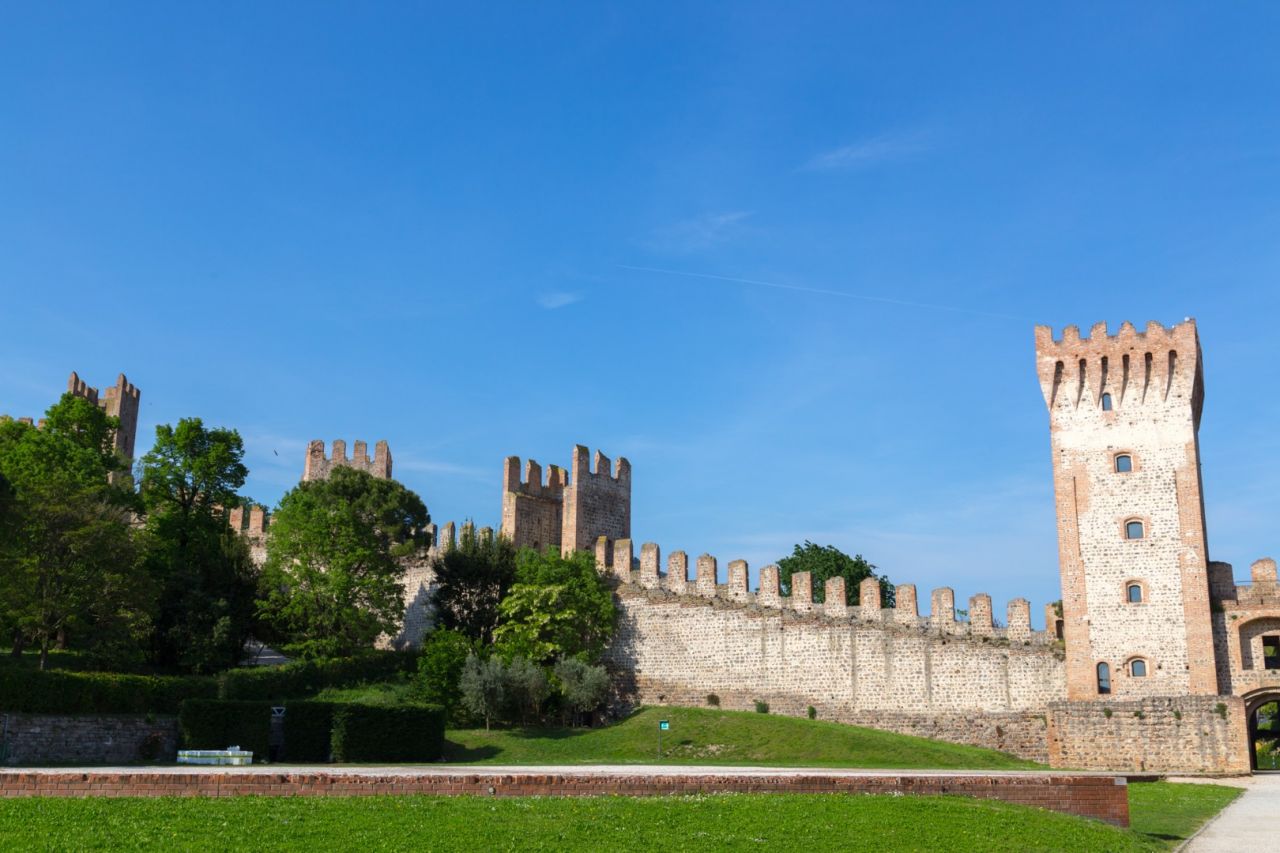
x=1110 y=372
x=120 y=401
x=318 y=467
x=253 y=523
x=1263 y=589
x=615 y=558
x=584 y=468
x=123 y=389
x=533 y=483
x=79 y=388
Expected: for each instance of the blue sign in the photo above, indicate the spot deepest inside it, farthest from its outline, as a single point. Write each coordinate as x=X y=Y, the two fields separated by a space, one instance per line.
x=664 y=725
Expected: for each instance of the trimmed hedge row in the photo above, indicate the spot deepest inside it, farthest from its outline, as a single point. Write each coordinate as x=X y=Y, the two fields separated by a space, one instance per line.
x=317 y=731
x=388 y=733
x=33 y=691
x=306 y=678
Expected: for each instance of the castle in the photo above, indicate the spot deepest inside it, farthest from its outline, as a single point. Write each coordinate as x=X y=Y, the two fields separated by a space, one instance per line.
x=1154 y=661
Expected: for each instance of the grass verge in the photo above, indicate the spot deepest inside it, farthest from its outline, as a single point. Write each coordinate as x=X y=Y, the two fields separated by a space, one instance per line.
x=706 y=736
x=720 y=822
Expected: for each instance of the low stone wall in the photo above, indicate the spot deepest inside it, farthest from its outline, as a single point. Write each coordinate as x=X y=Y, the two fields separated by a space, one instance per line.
x=1101 y=797
x=1185 y=734
x=30 y=739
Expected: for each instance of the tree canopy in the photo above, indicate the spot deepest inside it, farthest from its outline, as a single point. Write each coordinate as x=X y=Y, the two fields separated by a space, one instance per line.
x=472 y=578
x=559 y=607
x=826 y=561
x=331 y=583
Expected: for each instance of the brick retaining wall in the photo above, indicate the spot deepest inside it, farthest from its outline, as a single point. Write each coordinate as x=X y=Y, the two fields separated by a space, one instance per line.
x=101 y=739
x=1100 y=797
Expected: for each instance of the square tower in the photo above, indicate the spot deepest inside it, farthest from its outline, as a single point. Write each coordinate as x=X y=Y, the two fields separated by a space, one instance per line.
x=1124 y=416
x=118 y=401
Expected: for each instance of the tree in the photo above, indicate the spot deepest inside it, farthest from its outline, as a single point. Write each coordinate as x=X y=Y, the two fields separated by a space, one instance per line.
x=472 y=578
x=440 y=664
x=826 y=561
x=483 y=686
x=527 y=688
x=68 y=567
x=582 y=685
x=331 y=582
x=204 y=570
x=559 y=607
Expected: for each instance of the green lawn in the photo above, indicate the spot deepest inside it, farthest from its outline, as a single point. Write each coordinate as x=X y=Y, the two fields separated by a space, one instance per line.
x=721 y=822
x=1172 y=812
x=710 y=736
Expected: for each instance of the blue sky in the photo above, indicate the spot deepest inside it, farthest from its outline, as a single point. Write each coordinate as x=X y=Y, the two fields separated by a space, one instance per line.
x=786 y=258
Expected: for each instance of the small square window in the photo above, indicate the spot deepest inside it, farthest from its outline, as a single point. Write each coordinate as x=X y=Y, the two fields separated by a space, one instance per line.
x=1138 y=668
x=1133 y=530
x=1124 y=463
x=1133 y=593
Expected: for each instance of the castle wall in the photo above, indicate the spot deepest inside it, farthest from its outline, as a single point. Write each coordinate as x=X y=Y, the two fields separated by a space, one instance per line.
x=317 y=466
x=532 y=509
x=677 y=643
x=1242 y=616
x=597 y=502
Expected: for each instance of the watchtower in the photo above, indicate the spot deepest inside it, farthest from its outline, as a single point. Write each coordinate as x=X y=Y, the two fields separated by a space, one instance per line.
x=1124 y=416
x=566 y=511
x=119 y=401
x=317 y=466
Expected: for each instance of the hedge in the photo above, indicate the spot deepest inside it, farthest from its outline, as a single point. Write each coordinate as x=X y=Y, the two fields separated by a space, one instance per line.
x=388 y=733
x=33 y=691
x=306 y=678
x=308 y=731
x=218 y=724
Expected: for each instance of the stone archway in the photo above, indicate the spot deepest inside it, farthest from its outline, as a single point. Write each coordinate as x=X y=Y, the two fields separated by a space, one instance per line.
x=1262 y=710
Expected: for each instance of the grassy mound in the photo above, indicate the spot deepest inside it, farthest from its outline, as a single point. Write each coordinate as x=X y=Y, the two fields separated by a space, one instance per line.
x=721 y=822
x=709 y=736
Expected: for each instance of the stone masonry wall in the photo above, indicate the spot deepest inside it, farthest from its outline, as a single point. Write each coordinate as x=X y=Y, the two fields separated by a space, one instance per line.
x=1242 y=616
x=1185 y=734
x=317 y=466
x=532 y=509
x=597 y=501
x=32 y=739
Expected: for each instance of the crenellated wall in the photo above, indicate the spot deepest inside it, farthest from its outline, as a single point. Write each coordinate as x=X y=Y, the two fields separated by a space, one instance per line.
x=317 y=466
x=680 y=639
x=1244 y=614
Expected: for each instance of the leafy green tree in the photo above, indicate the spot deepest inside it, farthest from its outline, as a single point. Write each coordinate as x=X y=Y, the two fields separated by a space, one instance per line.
x=68 y=567
x=440 y=663
x=472 y=578
x=559 y=607
x=331 y=583
x=824 y=562
x=582 y=686
x=527 y=688
x=484 y=687
x=206 y=575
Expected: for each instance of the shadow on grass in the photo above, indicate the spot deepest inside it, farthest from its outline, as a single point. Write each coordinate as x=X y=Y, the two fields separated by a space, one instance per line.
x=456 y=752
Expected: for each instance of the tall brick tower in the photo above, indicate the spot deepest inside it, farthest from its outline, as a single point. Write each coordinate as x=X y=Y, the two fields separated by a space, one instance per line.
x=1124 y=416
x=119 y=401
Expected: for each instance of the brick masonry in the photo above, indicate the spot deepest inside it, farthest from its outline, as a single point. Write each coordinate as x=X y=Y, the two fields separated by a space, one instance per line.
x=32 y=739
x=1099 y=797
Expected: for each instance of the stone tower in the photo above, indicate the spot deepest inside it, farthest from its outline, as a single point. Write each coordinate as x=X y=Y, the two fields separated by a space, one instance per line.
x=317 y=466
x=1124 y=416
x=570 y=512
x=119 y=401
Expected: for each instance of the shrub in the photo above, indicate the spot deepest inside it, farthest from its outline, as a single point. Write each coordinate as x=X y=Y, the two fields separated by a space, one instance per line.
x=308 y=731
x=440 y=669
x=762 y=707
x=1221 y=710
x=713 y=700
x=813 y=713
x=484 y=687
x=306 y=678
x=379 y=733
x=527 y=688
x=582 y=685
x=219 y=723
x=60 y=692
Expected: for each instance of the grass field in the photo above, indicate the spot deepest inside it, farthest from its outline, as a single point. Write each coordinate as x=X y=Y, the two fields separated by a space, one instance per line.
x=709 y=736
x=722 y=822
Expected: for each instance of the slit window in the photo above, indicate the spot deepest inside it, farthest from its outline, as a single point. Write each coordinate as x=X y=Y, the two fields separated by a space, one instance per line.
x=1133 y=593
x=1124 y=463
x=1271 y=652
x=1138 y=668
x=1106 y=402
x=1104 y=679
x=1133 y=530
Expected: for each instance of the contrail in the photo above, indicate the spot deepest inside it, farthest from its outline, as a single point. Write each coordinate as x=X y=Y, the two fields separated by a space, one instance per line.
x=824 y=292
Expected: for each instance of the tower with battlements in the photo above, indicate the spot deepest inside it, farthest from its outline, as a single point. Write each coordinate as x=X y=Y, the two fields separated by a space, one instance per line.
x=1124 y=416
x=568 y=511
x=317 y=466
x=118 y=401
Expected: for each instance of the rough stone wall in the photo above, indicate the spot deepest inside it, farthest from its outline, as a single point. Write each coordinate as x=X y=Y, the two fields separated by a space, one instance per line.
x=1185 y=734
x=678 y=641
x=317 y=466
x=32 y=739
x=532 y=509
x=597 y=502
x=1155 y=387
x=1242 y=616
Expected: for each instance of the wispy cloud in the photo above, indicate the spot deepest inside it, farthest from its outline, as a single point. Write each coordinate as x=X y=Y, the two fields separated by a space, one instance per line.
x=700 y=232
x=877 y=149
x=558 y=299
x=424 y=465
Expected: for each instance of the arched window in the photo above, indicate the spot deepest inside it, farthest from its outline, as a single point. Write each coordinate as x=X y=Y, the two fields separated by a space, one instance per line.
x=1138 y=668
x=1104 y=679
x=1106 y=402
x=1133 y=593
x=1133 y=530
x=1124 y=463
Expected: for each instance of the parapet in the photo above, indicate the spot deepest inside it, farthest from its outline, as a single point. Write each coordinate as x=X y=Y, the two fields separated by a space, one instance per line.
x=1132 y=367
x=615 y=559
x=532 y=483
x=79 y=388
x=582 y=471
x=318 y=467
x=257 y=519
